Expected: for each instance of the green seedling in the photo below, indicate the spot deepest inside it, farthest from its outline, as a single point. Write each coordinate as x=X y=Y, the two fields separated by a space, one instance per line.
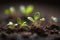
x=26 y=11
x=21 y=23
x=10 y=11
x=11 y=25
x=35 y=18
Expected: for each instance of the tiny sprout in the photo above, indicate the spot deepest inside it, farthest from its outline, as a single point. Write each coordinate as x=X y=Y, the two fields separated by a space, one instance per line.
x=22 y=9
x=42 y=19
x=36 y=17
x=21 y=23
x=54 y=19
x=26 y=11
x=10 y=11
x=11 y=25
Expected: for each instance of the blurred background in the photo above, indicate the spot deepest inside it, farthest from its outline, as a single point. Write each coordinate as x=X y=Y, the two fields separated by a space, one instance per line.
x=47 y=8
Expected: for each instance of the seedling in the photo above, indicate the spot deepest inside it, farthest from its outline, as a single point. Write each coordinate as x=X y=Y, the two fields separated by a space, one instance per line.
x=35 y=18
x=10 y=12
x=11 y=25
x=53 y=20
x=42 y=20
x=21 y=23
x=26 y=11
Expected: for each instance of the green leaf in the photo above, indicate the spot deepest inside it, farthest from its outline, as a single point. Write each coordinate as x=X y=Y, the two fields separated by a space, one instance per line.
x=31 y=19
x=29 y=9
x=22 y=9
x=36 y=16
x=24 y=24
x=19 y=21
x=7 y=12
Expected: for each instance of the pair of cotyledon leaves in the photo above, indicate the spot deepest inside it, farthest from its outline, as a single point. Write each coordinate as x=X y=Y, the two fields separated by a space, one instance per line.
x=11 y=10
x=11 y=25
x=26 y=11
x=35 y=18
x=21 y=23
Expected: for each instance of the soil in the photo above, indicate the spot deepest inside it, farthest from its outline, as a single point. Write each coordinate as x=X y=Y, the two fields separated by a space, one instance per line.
x=31 y=32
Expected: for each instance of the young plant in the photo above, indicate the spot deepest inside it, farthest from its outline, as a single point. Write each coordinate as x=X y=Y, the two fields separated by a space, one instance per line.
x=26 y=11
x=35 y=18
x=21 y=23
x=10 y=12
x=11 y=25
x=42 y=20
x=53 y=20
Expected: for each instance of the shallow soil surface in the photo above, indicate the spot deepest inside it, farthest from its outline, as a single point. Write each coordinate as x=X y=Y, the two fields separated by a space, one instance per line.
x=27 y=36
